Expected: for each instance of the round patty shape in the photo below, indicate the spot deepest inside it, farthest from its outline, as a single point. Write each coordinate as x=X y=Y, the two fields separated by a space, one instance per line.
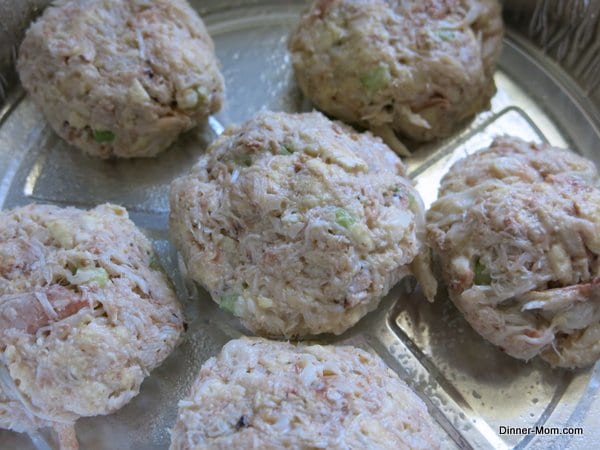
x=414 y=67
x=260 y=394
x=517 y=231
x=298 y=225
x=86 y=312
x=119 y=78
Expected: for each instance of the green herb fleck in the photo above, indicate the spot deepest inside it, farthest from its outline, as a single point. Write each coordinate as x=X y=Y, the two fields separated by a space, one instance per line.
x=445 y=34
x=228 y=302
x=401 y=192
x=411 y=201
x=85 y=275
x=243 y=160
x=155 y=263
x=344 y=218
x=285 y=150
x=202 y=100
x=376 y=79
x=104 y=136
x=482 y=275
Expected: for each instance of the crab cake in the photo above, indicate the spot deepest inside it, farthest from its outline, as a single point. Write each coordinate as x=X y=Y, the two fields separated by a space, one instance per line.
x=417 y=68
x=121 y=79
x=261 y=394
x=86 y=313
x=298 y=225
x=517 y=232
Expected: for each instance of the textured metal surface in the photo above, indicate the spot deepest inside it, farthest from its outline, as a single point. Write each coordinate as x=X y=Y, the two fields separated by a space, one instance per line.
x=15 y=16
x=568 y=31
x=470 y=387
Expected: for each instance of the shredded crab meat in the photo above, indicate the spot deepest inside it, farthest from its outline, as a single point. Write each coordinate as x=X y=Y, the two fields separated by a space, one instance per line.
x=31 y=310
x=389 y=137
x=278 y=395
x=79 y=334
x=299 y=225
x=48 y=309
x=519 y=258
x=414 y=68
x=151 y=65
x=9 y=388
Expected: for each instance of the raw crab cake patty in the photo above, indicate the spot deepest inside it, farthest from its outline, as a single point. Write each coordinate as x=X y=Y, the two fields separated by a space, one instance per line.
x=517 y=232
x=121 y=78
x=298 y=225
x=262 y=394
x=85 y=313
x=414 y=67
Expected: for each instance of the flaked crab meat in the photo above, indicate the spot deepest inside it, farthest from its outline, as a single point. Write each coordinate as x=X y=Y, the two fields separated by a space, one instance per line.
x=416 y=68
x=30 y=311
x=517 y=232
x=299 y=225
x=86 y=312
x=259 y=394
x=121 y=79
x=513 y=160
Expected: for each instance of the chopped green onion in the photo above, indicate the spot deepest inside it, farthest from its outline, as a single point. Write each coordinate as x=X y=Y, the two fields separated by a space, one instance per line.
x=285 y=150
x=61 y=231
x=155 y=263
x=376 y=79
x=104 y=136
x=202 y=100
x=401 y=192
x=85 y=275
x=445 y=34
x=409 y=195
x=228 y=302
x=482 y=275
x=411 y=200
x=243 y=160
x=344 y=218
